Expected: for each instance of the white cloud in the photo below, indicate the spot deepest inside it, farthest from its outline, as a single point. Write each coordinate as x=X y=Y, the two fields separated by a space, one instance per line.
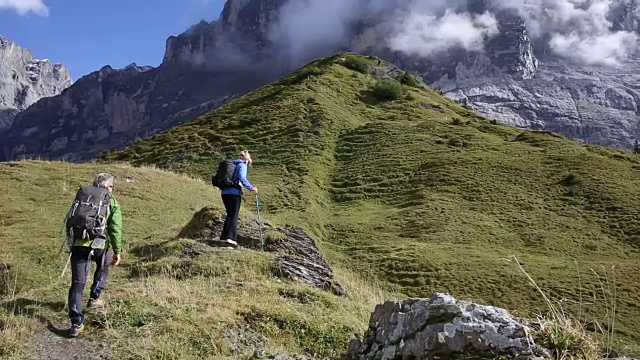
x=578 y=29
x=426 y=34
x=425 y=27
x=308 y=25
x=23 y=7
x=608 y=49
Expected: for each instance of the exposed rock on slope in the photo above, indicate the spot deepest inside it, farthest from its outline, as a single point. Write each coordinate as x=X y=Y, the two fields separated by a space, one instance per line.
x=297 y=258
x=440 y=327
x=112 y=108
x=514 y=80
x=593 y=105
x=24 y=80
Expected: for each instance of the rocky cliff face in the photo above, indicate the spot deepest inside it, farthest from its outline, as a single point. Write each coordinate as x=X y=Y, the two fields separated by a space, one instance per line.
x=24 y=80
x=514 y=79
x=592 y=105
x=112 y=108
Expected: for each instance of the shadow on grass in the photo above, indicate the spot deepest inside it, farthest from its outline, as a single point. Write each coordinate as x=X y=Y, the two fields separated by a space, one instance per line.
x=151 y=252
x=32 y=308
x=29 y=307
x=369 y=98
x=61 y=332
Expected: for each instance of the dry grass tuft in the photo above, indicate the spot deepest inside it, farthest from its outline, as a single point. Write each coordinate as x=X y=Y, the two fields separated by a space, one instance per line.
x=566 y=335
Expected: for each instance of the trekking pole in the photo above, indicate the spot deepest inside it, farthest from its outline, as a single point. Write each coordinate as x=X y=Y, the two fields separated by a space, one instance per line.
x=65 y=266
x=259 y=222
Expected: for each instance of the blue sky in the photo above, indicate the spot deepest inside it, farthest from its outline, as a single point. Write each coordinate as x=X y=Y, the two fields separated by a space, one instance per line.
x=88 y=34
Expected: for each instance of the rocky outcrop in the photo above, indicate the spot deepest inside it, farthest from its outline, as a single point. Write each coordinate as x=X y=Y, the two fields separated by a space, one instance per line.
x=298 y=258
x=440 y=327
x=25 y=80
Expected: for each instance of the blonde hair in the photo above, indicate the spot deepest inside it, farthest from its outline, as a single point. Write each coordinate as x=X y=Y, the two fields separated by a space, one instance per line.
x=246 y=154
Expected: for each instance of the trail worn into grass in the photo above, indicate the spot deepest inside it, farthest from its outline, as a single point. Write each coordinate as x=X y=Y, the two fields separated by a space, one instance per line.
x=54 y=343
x=158 y=306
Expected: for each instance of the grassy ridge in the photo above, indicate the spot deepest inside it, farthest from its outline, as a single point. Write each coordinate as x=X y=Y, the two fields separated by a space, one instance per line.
x=427 y=196
x=220 y=306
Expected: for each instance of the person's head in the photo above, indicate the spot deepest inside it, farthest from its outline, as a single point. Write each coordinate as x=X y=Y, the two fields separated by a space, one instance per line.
x=244 y=155
x=105 y=181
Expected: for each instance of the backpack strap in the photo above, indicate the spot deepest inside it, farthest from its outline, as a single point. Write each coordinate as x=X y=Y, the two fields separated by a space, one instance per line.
x=107 y=229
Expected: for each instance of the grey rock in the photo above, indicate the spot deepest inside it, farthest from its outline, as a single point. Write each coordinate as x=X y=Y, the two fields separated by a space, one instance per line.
x=287 y=357
x=298 y=258
x=25 y=80
x=245 y=340
x=589 y=104
x=440 y=326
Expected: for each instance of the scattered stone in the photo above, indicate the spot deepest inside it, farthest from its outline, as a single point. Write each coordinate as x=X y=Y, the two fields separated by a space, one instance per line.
x=287 y=357
x=439 y=327
x=389 y=71
x=127 y=179
x=298 y=258
x=245 y=340
x=431 y=106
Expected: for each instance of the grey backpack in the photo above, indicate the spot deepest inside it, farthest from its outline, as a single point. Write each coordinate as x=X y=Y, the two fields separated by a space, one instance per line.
x=87 y=217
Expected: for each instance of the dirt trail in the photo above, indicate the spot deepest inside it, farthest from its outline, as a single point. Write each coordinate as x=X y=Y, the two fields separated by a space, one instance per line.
x=54 y=343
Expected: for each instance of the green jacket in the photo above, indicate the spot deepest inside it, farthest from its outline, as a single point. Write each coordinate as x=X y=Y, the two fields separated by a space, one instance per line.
x=114 y=229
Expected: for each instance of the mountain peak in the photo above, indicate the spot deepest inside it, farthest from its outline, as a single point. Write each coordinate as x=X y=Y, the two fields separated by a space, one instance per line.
x=25 y=80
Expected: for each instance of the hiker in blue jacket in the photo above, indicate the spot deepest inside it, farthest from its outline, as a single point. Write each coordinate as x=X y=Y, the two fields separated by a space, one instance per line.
x=232 y=197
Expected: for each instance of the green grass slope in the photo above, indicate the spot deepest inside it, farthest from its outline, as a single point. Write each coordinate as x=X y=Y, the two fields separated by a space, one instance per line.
x=426 y=196
x=218 y=308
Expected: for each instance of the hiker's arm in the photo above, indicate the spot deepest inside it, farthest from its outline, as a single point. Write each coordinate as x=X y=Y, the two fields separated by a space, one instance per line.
x=114 y=228
x=243 y=177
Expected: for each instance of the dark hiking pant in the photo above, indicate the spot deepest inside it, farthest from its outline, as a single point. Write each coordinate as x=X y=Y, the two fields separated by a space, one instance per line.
x=232 y=205
x=80 y=260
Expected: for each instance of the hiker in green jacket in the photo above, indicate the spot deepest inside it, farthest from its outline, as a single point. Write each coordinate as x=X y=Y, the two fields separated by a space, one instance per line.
x=100 y=241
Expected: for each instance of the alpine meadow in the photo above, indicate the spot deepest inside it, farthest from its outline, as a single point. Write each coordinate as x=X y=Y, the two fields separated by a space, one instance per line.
x=405 y=192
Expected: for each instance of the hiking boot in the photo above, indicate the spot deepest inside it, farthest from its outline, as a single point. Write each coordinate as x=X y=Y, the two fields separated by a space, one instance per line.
x=95 y=304
x=229 y=241
x=76 y=330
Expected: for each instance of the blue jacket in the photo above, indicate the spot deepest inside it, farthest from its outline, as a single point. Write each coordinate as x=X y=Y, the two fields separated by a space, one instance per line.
x=241 y=179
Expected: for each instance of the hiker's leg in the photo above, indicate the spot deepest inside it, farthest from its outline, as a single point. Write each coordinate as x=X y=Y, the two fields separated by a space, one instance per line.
x=79 y=267
x=102 y=259
x=233 y=221
x=227 y=200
